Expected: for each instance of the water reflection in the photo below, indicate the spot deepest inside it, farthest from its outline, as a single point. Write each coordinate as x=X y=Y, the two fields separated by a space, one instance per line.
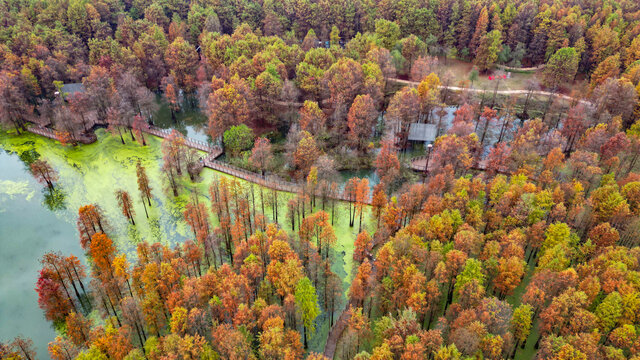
x=369 y=174
x=24 y=218
x=28 y=157
x=189 y=121
x=54 y=199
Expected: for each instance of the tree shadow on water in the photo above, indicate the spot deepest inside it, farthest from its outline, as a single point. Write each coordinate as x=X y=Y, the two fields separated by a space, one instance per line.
x=54 y=199
x=134 y=235
x=28 y=157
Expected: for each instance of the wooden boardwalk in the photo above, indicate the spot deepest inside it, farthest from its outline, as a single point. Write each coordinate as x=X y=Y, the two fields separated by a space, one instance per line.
x=419 y=163
x=43 y=131
x=269 y=182
x=213 y=152
x=48 y=133
x=343 y=321
x=336 y=332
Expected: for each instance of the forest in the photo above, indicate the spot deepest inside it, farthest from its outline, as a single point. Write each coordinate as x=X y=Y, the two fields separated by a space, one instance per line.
x=367 y=179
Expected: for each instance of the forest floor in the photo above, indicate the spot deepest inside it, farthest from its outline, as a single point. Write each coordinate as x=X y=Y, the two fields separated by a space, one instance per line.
x=514 y=300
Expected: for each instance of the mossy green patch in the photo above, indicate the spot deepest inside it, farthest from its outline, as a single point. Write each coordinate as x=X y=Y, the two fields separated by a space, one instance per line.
x=92 y=173
x=14 y=188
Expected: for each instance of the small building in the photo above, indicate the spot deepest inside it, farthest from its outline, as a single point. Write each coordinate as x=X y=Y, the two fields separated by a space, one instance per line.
x=422 y=133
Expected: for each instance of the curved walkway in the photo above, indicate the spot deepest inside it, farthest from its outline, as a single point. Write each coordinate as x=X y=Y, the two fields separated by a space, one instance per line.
x=499 y=92
x=460 y=89
x=336 y=332
x=416 y=164
x=343 y=321
x=48 y=133
x=517 y=69
x=213 y=152
x=419 y=163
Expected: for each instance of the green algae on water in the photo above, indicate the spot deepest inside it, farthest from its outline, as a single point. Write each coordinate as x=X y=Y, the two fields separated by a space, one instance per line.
x=90 y=174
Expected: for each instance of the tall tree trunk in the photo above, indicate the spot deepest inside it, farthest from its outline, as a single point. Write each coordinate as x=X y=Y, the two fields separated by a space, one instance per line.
x=145 y=208
x=75 y=288
x=65 y=288
x=304 y=332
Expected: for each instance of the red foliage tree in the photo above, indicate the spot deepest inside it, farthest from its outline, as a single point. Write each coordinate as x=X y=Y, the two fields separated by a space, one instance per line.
x=44 y=173
x=90 y=221
x=360 y=120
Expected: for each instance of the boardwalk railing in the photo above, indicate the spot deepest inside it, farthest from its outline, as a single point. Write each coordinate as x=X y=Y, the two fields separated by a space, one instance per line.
x=418 y=163
x=192 y=143
x=336 y=332
x=49 y=133
x=209 y=161
x=46 y=132
x=269 y=182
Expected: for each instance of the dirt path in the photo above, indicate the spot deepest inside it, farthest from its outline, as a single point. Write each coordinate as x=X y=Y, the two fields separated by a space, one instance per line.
x=458 y=88
x=499 y=92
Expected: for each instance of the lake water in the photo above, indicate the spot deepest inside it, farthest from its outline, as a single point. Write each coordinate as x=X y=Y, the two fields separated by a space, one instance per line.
x=31 y=224
x=27 y=230
x=191 y=122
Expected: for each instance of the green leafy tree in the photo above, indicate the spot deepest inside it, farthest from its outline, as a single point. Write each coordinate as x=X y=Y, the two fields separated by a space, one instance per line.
x=388 y=32
x=473 y=76
x=609 y=312
x=310 y=40
x=472 y=271
x=521 y=322
x=93 y=353
x=561 y=67
x=238 y=138
x=268 y=84
x=334 y=37
x=487 y=54
x=307 y=302
x=607 y=202
x=558 y=233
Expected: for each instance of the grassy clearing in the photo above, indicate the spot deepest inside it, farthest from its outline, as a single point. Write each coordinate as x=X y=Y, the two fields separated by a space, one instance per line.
x=516 y=297
x=461 y=70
